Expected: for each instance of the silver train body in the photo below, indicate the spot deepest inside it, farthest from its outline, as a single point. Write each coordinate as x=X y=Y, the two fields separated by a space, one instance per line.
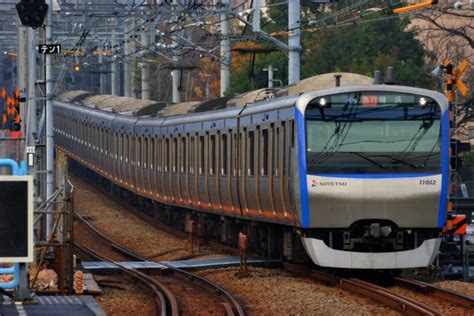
x=302 y=163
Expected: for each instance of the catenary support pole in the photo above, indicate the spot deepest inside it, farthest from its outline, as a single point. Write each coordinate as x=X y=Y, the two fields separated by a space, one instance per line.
x=49 y=116
x=115 y=75
x=127 y=84
x=102 y=75
x=21 y=68
x=294 y=41
x=225 y=50
x=145 y=65
x=175 y=74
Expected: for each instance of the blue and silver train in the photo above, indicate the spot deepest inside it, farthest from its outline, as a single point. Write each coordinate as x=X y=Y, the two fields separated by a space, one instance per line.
x=353 y=177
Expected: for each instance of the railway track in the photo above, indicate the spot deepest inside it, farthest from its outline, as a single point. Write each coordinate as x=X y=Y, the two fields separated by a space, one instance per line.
x=443 y=294
x=386 y=296
x=230 y=304
x=164 y=300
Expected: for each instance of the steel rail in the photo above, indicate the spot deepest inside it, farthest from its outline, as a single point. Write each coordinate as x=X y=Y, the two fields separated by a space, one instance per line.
x=377 y=293
x=429 y=289
x=231 y=304
x=164 y=300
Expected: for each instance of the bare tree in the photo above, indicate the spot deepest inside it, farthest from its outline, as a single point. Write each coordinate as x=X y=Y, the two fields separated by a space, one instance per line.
x=448 y=33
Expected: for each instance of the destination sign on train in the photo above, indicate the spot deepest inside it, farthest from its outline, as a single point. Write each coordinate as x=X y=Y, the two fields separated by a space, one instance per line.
x=372 y=99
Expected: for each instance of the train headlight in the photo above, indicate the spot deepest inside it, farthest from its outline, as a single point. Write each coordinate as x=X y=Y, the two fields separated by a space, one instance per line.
x=322 y=102
x=422 y=102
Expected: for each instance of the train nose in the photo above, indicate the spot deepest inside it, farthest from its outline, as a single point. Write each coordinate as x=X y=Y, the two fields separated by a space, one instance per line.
x=406 y=201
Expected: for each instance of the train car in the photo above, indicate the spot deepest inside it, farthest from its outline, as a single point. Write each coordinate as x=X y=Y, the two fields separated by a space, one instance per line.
x=355 y=175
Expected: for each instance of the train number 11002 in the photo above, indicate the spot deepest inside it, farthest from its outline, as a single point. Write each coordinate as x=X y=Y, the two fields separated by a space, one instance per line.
x=427 y=182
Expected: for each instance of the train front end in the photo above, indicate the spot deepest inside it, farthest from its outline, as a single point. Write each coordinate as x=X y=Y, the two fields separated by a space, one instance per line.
x=373 y=166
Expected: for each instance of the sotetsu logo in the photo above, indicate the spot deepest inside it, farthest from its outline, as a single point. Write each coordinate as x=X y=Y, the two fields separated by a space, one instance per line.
x=315 y=183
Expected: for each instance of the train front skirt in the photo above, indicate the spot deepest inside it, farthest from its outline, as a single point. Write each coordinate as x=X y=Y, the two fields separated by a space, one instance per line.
x=324 y=256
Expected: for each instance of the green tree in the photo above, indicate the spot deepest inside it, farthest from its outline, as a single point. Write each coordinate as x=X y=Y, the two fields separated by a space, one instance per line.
x=369 y=42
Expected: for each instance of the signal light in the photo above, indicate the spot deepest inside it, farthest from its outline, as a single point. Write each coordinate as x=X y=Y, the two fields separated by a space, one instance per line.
x=32 y=12
x=76 y=68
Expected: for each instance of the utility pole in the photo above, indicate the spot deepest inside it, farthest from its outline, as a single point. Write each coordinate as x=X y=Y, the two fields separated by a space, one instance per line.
x=31 y=93
x=127 y=82
x=294 y=41
x=21 y=68
x=115 y=76
x=133 y=46
x=145 y=65
x=102 y=75
x=225 y=50
x=176 y=73
x=115 y=66
x=49 y=116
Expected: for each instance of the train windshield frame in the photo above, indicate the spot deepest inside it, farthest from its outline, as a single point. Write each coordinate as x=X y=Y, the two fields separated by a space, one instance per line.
x=373 y=133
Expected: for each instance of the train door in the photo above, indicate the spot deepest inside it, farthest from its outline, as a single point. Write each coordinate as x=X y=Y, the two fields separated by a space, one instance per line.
x=251 y=171
x=160 y=163
x=202 y=170
x=265 y=177
x=234 y=168
x=119 y=155
x=168 y=167
x=183 y=168
x=152 y=169
x=213 y=174
x=225 y=190
x=164 y=143
x=287 y=144
x=278 y=158
x=242 y=170
x=126 y=150
x=193 y=169
x=85 y=143
x=137 y=163
x=174 y=168
x=105 y=155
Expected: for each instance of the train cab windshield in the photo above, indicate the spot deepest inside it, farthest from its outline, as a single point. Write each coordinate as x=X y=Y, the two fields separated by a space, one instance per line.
x=373 y=133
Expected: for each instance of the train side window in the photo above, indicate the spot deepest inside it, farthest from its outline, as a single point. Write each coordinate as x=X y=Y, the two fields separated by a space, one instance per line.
x=201 y=154
x=283 y=146
x=234 y=154
x=126 y=148
x=138 y=150
x=276 y=151
x=145 y=152
x=251 y=153
x=150 y=153
x=167 y=155
x=264 y=154
x=158 y=156
x=120 y=147
x=175 y=154
x=183 y=154
x=212 y=153
x=224 y=154
x=192 y=157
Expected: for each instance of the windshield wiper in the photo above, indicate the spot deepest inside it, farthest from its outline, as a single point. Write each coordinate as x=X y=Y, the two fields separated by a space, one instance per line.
x=366 y=158
x=397 y=161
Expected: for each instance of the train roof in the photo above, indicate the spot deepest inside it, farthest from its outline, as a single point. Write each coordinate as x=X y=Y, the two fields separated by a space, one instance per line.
x=137 y=107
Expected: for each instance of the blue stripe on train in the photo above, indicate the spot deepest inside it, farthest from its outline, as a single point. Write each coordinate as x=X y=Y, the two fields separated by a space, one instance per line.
x=300 y=123
x=443 y=199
